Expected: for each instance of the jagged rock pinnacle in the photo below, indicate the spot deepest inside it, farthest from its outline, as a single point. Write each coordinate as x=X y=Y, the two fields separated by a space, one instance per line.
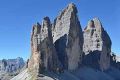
x=44 y=56
x=67 y=36
x=62 y=47
x=98 y=42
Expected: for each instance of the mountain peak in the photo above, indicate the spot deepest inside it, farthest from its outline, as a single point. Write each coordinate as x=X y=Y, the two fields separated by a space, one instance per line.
x=72 y=7
x=63 y=46
x=94 y=23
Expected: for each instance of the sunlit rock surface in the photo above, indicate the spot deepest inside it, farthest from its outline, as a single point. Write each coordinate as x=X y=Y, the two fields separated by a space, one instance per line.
x=43 y=56
x=68 y=38
x=97 y=45
x=61 y=51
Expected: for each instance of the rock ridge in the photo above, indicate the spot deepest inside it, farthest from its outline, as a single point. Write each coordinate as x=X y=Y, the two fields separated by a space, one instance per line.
x=62 y=45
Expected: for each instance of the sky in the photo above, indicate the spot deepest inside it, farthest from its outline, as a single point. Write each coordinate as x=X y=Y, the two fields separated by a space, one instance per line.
x=18 y=16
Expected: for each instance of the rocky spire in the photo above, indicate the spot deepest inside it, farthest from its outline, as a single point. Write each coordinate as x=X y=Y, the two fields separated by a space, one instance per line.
x=34 y=61
x=97 y=45
x=43 y=52
x=68 y=38
x=48 y=52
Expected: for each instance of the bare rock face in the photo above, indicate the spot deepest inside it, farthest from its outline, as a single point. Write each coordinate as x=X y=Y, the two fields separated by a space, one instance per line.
x=62 y=46
x=43 y=52
x=97 y=45
x=10 y=68
x=68 y=38
x=34 y=61
x=57 y=46
x=11 y=65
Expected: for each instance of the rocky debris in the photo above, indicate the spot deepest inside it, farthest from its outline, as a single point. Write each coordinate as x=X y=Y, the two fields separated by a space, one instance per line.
x=68 y=38
x=24 y=75
x=97 y=45
x=84 y=73
x=44 y=56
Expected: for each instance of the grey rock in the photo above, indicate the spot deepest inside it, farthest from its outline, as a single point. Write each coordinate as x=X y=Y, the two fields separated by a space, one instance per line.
x=84 y=73
x=97 y=45
x=10 y=68
x=68 y=38
x=11 y=65
x=44 y=57
x=34 y=59
x=115 y=60
x=59 y=47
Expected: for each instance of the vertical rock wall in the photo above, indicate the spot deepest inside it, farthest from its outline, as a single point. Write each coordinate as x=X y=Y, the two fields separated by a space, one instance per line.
x=68 y=38
x=44 y=55
x=97 y=45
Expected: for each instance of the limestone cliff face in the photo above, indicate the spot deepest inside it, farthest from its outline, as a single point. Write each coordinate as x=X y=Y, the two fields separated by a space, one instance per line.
x=62 y=45
x=58 y=45
x=60 y=42
x=97 y=45
x=43 y=52
x=68 y=38
x=35 y=61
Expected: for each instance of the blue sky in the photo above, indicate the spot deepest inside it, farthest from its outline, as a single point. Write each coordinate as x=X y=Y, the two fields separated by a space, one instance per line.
x=18 y=16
